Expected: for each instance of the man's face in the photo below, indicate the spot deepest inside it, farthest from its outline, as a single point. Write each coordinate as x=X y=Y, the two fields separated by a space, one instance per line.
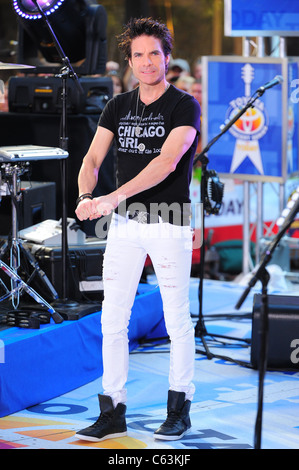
x=196 y=91
x=147 y=60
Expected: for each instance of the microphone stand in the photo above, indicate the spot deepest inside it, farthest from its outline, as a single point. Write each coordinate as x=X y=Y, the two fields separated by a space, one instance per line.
x=200 y=329
x=262 y=275
x=65 y=72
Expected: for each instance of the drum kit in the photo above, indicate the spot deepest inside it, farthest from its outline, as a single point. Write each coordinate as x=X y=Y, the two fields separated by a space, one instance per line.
x=10 y=172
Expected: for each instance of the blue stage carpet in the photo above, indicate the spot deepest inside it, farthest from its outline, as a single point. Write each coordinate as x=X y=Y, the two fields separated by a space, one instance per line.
x=224 y=409
x=40 y=364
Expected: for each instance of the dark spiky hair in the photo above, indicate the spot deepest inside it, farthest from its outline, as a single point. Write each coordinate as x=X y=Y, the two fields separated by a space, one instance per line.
x=137 y=27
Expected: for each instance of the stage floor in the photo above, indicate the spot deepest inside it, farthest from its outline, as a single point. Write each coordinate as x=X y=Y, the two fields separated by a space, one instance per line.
x=224 y=409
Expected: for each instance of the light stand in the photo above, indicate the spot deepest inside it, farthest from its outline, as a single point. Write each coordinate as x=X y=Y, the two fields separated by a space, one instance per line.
x=65 y=72
x=261 y=274
x=80 y=26
x=200 y=329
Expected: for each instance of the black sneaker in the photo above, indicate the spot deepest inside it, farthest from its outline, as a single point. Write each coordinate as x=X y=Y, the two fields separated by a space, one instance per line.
x=110 y=424
x=178 y=421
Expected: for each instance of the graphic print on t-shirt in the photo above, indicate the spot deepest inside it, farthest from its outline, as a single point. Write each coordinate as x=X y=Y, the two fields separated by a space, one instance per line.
x=151 y=128
x=122 y=115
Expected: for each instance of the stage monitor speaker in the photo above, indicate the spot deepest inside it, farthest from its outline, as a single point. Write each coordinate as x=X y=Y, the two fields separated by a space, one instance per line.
x=283 y=332
x=85 y=264
x=42 y=95
x=37 y=203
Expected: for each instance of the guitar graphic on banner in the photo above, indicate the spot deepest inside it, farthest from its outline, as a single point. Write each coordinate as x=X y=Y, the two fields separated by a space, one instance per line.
x=251 y=126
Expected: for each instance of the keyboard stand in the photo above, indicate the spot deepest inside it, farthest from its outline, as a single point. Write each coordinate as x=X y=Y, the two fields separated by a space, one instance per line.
x=11 y=174
x=20 y=284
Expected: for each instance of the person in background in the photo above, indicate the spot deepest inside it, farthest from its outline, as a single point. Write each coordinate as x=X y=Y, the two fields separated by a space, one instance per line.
x=3 y=96
x=197 y=69
x=129 y=80
x=185 y=82
x=112 y=66
x=177 y=68
x=118 y=85
x=196 y=90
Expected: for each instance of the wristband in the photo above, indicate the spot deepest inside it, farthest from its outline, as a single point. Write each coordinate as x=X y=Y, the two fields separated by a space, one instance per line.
x=83 y=196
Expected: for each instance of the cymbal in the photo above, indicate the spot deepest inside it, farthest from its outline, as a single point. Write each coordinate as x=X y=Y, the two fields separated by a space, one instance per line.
x=5 y=66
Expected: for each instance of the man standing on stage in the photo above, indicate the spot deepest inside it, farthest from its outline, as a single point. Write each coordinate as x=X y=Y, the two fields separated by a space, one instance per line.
x=156 y=128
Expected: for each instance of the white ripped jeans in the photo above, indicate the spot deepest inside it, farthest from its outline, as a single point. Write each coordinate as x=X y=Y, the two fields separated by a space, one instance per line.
x=170 y=249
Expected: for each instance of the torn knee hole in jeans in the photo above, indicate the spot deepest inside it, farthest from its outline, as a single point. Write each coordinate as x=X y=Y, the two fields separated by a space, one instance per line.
x=111 y=275
x=169 y=286
x=165 y=264
x=165 y=278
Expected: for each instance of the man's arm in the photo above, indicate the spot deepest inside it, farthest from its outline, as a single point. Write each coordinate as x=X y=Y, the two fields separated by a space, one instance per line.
x=88 y=174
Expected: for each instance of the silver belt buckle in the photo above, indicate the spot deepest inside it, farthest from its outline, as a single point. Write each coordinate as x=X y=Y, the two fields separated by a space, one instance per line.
x=141 y=217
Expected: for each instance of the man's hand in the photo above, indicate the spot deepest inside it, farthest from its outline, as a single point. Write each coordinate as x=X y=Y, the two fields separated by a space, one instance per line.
x=97 y=207
x=103 y=205
x=84 y=209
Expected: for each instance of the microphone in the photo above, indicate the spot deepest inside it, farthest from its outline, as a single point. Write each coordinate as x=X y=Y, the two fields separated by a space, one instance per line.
x=276 y=81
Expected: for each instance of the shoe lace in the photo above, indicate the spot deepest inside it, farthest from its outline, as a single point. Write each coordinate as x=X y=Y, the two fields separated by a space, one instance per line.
x=102 y=419
x=172 y=418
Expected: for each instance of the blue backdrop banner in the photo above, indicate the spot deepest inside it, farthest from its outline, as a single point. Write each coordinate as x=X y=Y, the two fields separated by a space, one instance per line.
x=263 y=143
x=261 y=18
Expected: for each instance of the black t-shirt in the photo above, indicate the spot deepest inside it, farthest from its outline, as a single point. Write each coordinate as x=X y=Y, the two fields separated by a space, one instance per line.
x=123 y=114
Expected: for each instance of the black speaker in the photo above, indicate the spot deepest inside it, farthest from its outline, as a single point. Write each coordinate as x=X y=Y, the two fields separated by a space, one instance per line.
x=42 y=95
x=283 y=332
x=84 y=266
x=37 y=203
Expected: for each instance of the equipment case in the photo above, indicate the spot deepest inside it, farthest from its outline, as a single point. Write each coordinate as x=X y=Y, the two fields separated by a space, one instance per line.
x=84 y=269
